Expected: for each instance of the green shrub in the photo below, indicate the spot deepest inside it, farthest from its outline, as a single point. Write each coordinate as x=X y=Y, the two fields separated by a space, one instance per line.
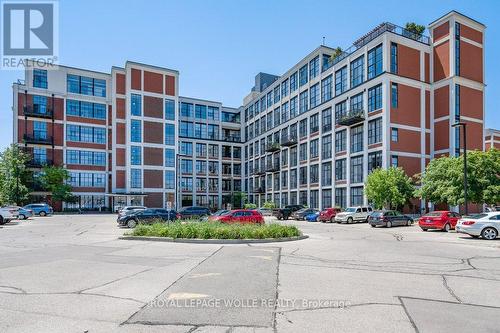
x=250 y=206
x=214 y=230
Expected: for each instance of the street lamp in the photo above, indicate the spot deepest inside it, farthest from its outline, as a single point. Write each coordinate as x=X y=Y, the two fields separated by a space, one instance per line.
x=464 y=125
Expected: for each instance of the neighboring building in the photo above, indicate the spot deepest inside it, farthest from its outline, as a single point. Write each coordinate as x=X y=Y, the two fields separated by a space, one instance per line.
x=491 y=138
x=309 y=136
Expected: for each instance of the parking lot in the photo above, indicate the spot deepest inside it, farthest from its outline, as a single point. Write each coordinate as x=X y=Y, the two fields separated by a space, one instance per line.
x=71 y=274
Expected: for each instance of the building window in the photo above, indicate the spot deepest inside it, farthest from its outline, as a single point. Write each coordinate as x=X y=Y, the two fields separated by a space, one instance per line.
x=269 y=99
x=375 y=131
x=314 y=123
x=340 y=169
x=136 y=105
x=457 y=102
x=357 y=169
x=394 y=134
x=341 y=81
x=303 y=152
x=170 y=134
x=135 y=130
x=169 y=109
x=326 y=89
x=169 y=180
x=186 y=166
x=303 y=75
x=200 y=111
x=375 y=98
x=326 y=199
x=314 y=148
x=303 y=128
x=340 y=141
x=394 y=58
x=394 y=95
x=314 y=95
x=276 y=93
x=303 y=176
x=314 y=67
x=169 y=157
x=326 y=147
x=357 y=139
x=85 y=109
x=84 y=134
x=186 y=148
x=340 y=111
x=326 y=174
x=303 y=198
x=374 y=62
x=457 y=48
x=357 y=102
x=374 y=161
x=356 y=196
x=213 y=112
x=135 y=155
x=284 y=89
x=40 y=78
x=284 y=112
x=187 y=110
x=277 y=116
x=293 y=82
x=40 y=104
x=357 y=71
x=85 y=85
x=326 y=120
x=293 y=156
x=293 y=107
x=303 y=102
x=314 y=199
x=341 y=197
x=394 y=161
x=135 y=178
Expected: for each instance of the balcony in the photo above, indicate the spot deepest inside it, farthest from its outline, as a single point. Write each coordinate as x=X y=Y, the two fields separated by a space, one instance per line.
x=231 y=138
x=260 y=189
x=272 y=147
x=289 y=140
x=37 y=111
x=37 y=138
x=38 y=164
x=273 y=167
x=259 y=171
x=351 y=117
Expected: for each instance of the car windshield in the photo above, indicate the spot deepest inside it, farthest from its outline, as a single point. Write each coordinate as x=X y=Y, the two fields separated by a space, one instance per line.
x=433 y=214
x=350 y=209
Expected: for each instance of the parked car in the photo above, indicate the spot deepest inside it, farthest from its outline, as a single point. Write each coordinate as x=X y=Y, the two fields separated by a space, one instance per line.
x=243 y=216
x=265 y=211
x=354 y=214
x=41 y=209
x=7 y=214
x=302 y=213
x=128 y=209
x=328 y=214
x=440 y=219
x=287 y=211
x=312 y=217
x=389 y=218
x=22 y=214
x=146 y=216
x=214 y=215
x=486 y=225
x=193 y=212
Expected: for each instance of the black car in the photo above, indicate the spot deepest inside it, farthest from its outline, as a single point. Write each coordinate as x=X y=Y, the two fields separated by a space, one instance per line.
x=146 y=216
x=193 y=212
x=286 y=212
x=389 y=218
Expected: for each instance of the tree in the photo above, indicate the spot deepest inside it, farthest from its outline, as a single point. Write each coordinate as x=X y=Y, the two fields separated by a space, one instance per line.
x=239 y=199
x=389 y=188
x=414 y=28
x=54 y=180
x=269 y=205
x=336 y=52
x=443 y=180
x=14 y=176
x=249 y=206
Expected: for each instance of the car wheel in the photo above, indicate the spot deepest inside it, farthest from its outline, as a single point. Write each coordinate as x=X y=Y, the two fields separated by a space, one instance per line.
x=349 y=220
x=131 y=223
x=372 y=225
x=423 y=229
x=408 y=223
x=332 y=220
x=2 y=221
x=446 y=227
x=388 y=224
x=489 y=233
x=22 y=217
x=42 y=213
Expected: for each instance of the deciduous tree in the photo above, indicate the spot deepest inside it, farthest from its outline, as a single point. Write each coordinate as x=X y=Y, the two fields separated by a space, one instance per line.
x=389 y=188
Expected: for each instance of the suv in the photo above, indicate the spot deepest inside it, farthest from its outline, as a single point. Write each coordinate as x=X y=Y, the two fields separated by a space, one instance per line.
x=7 y=214
x=354 y=214
x=286 y=212
x=193 y=212
x=41 y=209
x=128 y=209
x=328 y=214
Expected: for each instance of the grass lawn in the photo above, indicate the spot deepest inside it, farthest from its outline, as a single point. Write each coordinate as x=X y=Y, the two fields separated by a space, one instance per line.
x=212 y=230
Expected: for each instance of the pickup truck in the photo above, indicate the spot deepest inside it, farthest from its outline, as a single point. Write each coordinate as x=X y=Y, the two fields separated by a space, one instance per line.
x=286 y=212
x=7 y=214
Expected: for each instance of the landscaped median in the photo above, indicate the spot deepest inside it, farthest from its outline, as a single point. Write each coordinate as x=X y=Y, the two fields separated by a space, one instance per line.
x=213 y=232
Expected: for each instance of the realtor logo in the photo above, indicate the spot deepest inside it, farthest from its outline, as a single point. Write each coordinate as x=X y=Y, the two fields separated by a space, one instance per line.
x=29 y=33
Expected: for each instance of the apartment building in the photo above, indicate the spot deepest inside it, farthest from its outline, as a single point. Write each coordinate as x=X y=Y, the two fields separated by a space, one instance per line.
x=314 y=134
x=309 y=136
x=491 y=138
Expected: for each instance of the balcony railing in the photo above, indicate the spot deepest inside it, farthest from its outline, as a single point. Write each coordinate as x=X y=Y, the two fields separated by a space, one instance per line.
x=37 y=111
x=231 y=138
x=351 y=117
x=273 y=167
x=38 y=163
x=289 y=140
x=260 y=189
x=31 y=138
x=272 y=147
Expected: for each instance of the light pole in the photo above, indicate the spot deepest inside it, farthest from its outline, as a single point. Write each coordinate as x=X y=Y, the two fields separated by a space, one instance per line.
x=464 y=125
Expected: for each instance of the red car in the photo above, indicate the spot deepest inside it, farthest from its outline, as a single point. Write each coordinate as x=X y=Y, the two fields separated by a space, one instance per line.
x=443 y=220
x=242 y=216
x=328 y=214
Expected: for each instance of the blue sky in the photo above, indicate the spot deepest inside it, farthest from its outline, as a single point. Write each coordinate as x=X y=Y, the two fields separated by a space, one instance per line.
x=219 y=46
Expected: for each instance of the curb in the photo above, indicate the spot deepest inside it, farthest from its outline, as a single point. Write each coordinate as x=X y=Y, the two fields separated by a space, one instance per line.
x=213 y=241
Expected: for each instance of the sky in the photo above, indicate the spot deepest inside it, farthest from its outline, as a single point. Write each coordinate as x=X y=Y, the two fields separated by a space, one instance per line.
x=219 y=46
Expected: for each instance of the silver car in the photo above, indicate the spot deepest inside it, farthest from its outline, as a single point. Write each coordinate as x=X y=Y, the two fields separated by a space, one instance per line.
x=486 y=225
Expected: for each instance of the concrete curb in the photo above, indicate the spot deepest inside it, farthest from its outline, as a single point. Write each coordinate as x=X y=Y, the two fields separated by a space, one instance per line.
x=213 y=241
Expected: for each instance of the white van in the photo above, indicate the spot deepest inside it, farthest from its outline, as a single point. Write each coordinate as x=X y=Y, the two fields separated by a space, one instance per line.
x=354 y=214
